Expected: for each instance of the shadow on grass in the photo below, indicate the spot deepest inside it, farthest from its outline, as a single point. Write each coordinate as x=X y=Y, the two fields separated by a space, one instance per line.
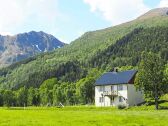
x=161 y=104
x=153 y=102
x=163 y=107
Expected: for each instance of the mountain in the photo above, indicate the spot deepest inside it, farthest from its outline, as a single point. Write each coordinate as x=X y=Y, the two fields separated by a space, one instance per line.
x=104 y=49
x=21 y=46
x=158 y=12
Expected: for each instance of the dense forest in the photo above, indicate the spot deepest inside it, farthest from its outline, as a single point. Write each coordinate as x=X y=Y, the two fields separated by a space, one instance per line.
x=68 y=74
x=53 y=92
x=72 y=82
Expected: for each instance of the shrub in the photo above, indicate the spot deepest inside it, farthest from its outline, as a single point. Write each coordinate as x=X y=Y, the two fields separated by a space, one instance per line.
x=121 y=106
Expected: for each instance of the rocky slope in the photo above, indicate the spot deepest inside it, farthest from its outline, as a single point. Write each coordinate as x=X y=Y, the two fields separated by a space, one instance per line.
x=21 y=46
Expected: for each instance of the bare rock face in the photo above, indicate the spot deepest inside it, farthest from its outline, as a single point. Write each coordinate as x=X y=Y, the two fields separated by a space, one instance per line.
x=21 y=46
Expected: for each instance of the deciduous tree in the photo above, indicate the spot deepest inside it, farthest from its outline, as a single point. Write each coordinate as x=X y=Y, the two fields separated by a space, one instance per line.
x=150 y=76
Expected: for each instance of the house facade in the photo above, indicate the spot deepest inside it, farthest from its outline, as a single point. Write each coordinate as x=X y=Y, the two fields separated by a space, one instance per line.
x=114 y=88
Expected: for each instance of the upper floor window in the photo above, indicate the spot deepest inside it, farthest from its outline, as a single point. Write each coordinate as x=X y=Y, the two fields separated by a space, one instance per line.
x=112 y=88
x=120 y=87
x=101 y=88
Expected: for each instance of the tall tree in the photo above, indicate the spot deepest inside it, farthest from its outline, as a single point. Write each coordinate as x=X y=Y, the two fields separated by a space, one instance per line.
x=8 y=98
x=22 y=96
x=150 y=76
x=1 y=97
x=58 y=94
x=30 y=96
x=85 y=90
x=45 y=91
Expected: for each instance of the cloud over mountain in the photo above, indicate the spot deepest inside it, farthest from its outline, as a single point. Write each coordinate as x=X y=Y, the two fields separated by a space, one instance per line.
x=24 y=13
x=163 y=3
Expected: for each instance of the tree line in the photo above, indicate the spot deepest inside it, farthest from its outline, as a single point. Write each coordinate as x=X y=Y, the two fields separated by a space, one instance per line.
x=52 y=92
x=72 y=69
x=152 y=79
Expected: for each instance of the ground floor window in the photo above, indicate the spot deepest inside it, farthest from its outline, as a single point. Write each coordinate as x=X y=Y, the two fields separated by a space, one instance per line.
x=120 y=99
x=101 y=99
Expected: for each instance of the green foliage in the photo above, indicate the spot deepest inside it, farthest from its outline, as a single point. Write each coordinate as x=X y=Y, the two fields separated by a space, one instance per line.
x=85 y=90
x=22 y=96
x=150 y=76
x=8 y=98
x=33 y=97
x=107 y=48
x=49 y=83
x=1 y=98
x=123 y=68
x=78 y=65
x=58 y=95
x=127 y=50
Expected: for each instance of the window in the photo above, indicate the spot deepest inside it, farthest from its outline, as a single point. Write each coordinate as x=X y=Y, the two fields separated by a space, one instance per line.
x=112 y=98
x=102 y=88
x=112 y=88
x=120 y=87
x=120 y=99
x=101 y=99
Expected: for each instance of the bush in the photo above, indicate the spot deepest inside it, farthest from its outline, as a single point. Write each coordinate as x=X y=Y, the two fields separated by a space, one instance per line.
x=121 y=106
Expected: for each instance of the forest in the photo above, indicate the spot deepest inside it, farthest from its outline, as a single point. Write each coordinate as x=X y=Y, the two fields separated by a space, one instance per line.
x=71 y=81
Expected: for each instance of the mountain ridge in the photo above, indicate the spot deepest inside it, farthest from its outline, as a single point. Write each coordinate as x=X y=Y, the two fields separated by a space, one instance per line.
x=21 y=46
x=155 y=12
x=95 y=49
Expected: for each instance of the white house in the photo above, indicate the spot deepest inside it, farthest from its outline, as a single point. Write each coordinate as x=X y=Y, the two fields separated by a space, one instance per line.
x=114 y=88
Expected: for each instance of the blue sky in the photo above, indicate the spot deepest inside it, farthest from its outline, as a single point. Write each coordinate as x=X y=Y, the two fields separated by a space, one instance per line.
x=69 y=19
x=152 y=3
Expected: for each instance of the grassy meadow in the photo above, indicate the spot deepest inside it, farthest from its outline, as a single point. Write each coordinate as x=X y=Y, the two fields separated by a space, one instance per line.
x=83 y=116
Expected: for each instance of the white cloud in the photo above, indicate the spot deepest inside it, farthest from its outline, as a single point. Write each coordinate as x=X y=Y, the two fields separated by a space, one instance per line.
x=10 y=14
x=163 y=3
x=18 y=13
x=118 y=11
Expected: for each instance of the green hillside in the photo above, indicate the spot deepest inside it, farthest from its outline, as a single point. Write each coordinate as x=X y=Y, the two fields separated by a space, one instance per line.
x=115 y=46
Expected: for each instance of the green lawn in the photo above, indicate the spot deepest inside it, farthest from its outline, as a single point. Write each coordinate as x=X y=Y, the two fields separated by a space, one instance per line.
x=82 y=116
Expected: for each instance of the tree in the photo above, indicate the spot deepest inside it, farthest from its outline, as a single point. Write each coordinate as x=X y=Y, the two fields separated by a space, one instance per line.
x=150 y=76
x=70 y=93
x=30 y=96
x=1 y=97
x=33 y=97
x=46 y=91
x=8 y=98
x=22 y=96
x=58 y=94
x=36 y=99
x=85 y=90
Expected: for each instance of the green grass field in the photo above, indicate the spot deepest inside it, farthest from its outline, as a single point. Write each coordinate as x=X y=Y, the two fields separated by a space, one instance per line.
x=83 y=116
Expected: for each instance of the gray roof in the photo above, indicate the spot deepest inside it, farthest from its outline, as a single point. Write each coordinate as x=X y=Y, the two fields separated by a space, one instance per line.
x=116 y=77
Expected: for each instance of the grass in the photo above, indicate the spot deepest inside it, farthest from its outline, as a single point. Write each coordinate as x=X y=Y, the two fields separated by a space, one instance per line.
x=83 y=116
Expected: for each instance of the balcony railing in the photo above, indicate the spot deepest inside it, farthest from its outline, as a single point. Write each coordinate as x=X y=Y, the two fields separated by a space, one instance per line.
x=110 y=93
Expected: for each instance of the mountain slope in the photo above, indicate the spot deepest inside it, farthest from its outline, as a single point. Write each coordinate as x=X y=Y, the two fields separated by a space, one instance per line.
x=158 y=12
x=22 y=46
x=115 y=46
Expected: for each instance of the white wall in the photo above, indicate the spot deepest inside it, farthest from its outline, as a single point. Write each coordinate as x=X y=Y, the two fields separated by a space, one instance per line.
x=107 y=99
x=98 y=95
x=134 y=97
